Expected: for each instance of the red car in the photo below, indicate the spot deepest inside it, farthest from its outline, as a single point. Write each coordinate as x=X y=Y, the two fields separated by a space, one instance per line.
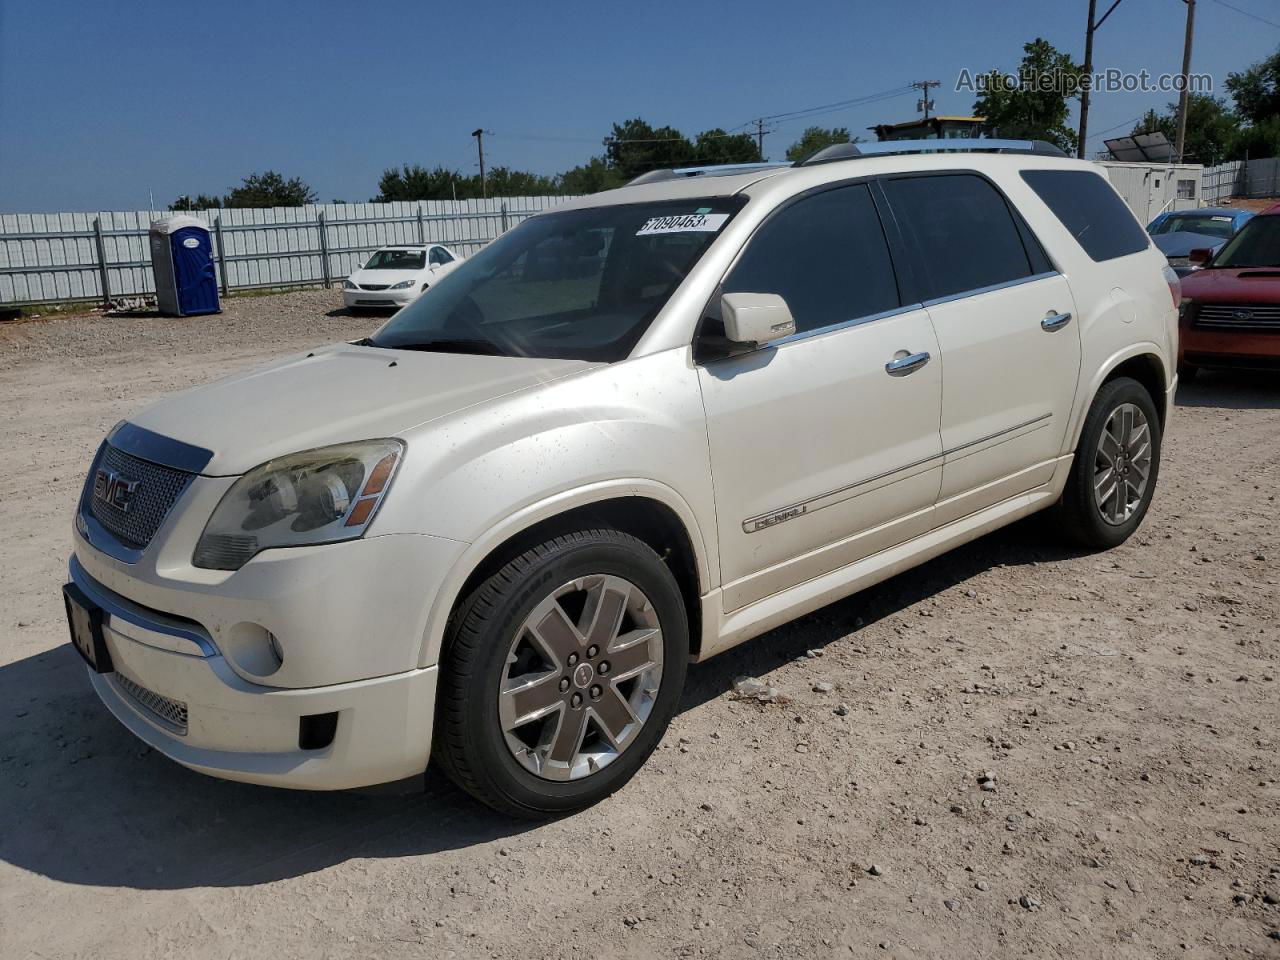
x=1231 y=308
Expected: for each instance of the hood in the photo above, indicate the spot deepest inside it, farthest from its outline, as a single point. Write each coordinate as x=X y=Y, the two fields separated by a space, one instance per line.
x=1183 y=242
x=1234 y=285
x=336 y=394
x=384 y=277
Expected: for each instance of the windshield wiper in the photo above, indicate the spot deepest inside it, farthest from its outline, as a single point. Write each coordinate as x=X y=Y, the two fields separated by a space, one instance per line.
x=478 y=346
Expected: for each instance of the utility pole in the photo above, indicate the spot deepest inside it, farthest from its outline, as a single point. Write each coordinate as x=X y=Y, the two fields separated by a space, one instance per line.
x=1089 y=30
x=1185 y=96
x=479 y=135
x=925 y=103
x=760 y=137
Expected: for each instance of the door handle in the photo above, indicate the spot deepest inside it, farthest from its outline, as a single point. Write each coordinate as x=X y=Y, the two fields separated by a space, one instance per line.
x=905 y=365
x=1055 y=322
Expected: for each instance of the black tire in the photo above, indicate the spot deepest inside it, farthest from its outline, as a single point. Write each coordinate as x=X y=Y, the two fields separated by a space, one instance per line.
x=1077 y=513
x=469 y=743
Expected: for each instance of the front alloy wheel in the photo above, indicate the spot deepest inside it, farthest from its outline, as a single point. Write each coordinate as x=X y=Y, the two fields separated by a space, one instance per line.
x=560 y=673
x=583 y=674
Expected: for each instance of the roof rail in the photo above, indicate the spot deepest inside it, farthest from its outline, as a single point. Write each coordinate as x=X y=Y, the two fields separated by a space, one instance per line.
x=850 y=151
x=712 y=170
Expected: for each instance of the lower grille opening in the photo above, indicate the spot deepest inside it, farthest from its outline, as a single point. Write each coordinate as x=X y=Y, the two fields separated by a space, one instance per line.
x=171 y=713
x=316 y=731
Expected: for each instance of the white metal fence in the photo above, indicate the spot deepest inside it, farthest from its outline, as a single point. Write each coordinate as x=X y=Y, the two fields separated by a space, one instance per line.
x=86 y=256
x=1242 y=178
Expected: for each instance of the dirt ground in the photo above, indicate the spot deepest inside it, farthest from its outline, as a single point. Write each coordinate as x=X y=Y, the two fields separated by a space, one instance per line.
x=1126 y=704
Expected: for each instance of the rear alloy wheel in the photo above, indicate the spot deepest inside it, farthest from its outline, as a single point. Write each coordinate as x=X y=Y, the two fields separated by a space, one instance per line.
x=560 y=674
x=1117 y=460
x=1122 y=464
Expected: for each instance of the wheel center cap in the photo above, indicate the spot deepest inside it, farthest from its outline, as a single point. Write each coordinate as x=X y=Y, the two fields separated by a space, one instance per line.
x=583 y=676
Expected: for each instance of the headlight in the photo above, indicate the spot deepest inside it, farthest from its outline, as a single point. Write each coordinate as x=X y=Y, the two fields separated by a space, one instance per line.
x=348 y=285
x=402 y=285
x=318 y=496
x=1185 y=307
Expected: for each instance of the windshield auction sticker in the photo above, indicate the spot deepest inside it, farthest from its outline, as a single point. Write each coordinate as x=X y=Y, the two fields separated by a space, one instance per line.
x=700 y=221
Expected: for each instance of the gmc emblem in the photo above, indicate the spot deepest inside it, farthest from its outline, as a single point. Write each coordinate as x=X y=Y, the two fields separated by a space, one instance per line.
x=114 y=490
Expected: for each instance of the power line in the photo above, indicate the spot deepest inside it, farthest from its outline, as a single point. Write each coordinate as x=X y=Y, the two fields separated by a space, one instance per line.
x=1223 y=3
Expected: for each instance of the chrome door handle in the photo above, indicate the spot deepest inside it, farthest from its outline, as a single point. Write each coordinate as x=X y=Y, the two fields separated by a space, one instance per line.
x=904 y=365
x=1055 y=322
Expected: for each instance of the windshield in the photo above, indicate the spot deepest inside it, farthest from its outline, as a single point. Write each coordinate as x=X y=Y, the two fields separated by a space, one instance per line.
x=1256 y=245
x=1212 y=226
x=397 y=260
x=577 y=284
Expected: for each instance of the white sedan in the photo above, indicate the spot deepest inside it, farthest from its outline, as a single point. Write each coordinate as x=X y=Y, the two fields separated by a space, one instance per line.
x=394 y=276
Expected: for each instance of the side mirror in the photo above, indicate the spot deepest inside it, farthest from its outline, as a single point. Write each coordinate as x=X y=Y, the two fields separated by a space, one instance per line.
x=1200 y=255
x=759 y=318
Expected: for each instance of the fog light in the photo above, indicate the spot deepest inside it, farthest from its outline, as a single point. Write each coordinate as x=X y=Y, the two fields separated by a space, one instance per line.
x=315 y=732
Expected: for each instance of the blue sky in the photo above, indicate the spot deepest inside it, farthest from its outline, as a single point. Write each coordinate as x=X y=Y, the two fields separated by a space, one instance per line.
x=102 y=100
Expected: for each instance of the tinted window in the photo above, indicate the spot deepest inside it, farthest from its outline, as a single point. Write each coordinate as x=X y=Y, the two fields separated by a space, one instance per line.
x=440 y=255
x=962 y=231
x=1092 y=211
x=826 y=255
x=1256 y=245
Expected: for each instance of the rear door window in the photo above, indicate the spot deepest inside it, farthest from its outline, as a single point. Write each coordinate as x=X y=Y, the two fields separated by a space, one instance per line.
x=963 y=233
x=826 y=255
x=1091 y=210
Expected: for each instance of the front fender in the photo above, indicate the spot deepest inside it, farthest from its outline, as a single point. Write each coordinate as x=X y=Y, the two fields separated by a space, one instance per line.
x=547 y=508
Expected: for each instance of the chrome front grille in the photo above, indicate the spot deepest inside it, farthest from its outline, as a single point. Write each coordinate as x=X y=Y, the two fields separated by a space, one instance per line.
x=171 y=713
x=158 y=489
x=374 y=286
x=1244 y=317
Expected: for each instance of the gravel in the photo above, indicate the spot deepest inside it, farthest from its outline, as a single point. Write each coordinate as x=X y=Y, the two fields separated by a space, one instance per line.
x=126 y=855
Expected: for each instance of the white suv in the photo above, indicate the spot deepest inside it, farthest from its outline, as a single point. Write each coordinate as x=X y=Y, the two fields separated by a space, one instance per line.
x=630 y=433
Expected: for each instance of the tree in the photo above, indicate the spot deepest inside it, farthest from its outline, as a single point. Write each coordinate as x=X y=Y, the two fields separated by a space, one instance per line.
x=818 y=138
x=1212 y=129
x=635 y=147
x=505 y=182
x=1256 y=91
x=270 y=189
x=716 y=146
x=591 y=177
x=199 y=202
x=1036 y=107
x=418 y=183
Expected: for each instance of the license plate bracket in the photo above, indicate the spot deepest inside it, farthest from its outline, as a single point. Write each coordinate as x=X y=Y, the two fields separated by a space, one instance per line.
x=84 y=619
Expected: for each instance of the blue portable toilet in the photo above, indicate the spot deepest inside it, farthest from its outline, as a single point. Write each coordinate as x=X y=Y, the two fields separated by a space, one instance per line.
x=182 y=261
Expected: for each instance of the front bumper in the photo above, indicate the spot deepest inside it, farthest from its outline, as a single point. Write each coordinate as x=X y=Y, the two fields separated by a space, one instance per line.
x=387 y=299
x=1229 y=348
x=174 y=690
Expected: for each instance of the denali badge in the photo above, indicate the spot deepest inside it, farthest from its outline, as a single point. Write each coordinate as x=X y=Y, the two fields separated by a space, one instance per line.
x=756 y=524
x=114 y=490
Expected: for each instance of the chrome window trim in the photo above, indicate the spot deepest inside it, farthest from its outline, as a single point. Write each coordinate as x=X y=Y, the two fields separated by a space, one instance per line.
x=979 y=291
x=115 y=608
x=772 y=518
x=844 y=324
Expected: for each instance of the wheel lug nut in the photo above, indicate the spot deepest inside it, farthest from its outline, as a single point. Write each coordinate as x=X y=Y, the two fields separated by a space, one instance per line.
x=592 y=650
x=603 y=668
x=576 y=700
x=595 y=692
x=564 y=684
x=573 y=659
